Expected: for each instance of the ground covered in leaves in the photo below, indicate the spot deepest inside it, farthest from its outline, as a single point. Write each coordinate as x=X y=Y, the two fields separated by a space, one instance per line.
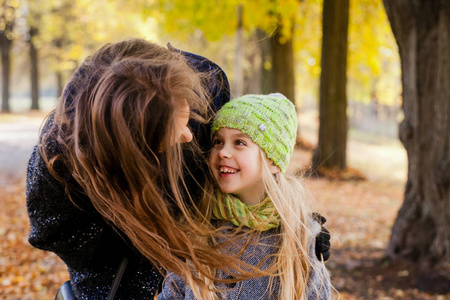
x=359 y=216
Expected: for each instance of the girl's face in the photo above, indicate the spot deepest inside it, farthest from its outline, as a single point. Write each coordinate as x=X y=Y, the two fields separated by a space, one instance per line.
x=236 y=164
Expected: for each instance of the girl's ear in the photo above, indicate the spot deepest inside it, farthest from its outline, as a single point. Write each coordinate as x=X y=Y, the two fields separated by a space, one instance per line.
x=274 y=169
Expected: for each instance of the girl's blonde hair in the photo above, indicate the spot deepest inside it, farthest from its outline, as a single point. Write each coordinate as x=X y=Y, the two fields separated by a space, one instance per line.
x=292 y=264
x=114 y=129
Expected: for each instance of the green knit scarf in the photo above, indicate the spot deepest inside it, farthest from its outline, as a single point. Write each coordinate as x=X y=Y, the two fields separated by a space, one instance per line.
x=261 y=217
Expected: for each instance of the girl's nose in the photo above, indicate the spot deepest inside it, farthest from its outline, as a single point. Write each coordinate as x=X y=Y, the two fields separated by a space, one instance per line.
x=224 y=153
x=186 y=136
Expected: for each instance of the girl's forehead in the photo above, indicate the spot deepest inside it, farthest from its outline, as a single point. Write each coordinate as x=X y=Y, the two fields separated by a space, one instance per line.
x=230 y=132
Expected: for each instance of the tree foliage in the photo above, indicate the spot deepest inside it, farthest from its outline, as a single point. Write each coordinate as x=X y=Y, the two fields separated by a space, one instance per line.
x=206 y=27
x=373 y=61
x=218 y=18
x=69 y=30
x=8 y=15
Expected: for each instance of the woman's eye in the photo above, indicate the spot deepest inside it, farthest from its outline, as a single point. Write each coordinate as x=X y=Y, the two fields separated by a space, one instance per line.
x=240 y=143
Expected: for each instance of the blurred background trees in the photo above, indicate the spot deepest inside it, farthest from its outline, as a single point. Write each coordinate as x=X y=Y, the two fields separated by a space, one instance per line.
x=8 y=16
x=273 y=46
x=279 y=48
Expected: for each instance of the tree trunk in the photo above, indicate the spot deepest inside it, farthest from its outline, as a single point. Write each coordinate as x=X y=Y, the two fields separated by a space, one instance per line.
x=332 y=148
x=253 y=74
x=239 y=56
x=283 y=65
x=5 y=48
x=34 y=73
x=267 y=84
x=422 y=228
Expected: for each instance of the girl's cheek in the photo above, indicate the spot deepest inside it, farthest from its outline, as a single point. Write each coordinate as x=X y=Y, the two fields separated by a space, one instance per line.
x=210 y=158
x=213 y=156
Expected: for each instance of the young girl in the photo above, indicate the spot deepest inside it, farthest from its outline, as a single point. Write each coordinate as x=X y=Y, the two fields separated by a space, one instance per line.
x=253 y=140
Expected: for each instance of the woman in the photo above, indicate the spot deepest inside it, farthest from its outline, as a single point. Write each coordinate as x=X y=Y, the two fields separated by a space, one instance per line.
x=114 y=139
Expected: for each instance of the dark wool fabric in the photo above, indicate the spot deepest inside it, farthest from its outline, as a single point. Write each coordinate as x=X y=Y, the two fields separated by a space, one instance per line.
x=89 y=246
x=251 y=289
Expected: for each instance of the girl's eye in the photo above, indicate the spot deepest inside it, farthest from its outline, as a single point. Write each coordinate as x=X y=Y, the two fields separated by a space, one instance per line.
x=216 y=142
x=240 y=143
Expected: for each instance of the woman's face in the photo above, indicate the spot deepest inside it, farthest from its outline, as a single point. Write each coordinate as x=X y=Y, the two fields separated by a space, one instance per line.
x=182 y=133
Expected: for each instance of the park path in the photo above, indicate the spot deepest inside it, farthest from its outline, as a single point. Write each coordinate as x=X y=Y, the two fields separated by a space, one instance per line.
x=18 y=136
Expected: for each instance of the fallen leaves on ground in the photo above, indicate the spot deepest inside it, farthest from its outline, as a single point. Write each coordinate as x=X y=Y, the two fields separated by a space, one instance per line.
x=25 y=272
x=336 y=174
x=359 y=216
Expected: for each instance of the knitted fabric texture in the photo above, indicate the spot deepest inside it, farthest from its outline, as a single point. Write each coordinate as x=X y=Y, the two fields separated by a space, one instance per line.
x=262 y=216
x=269 y=120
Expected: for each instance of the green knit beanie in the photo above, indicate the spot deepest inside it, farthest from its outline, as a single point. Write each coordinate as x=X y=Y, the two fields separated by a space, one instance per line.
x=269 y=120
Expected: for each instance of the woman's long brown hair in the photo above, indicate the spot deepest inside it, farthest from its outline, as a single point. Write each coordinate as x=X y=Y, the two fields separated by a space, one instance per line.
x=115 y=126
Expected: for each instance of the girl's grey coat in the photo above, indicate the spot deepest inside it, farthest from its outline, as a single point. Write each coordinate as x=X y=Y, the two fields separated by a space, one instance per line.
x=318 y=286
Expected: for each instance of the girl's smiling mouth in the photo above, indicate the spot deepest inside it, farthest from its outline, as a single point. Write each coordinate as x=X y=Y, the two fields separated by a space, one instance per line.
x=227 y=170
